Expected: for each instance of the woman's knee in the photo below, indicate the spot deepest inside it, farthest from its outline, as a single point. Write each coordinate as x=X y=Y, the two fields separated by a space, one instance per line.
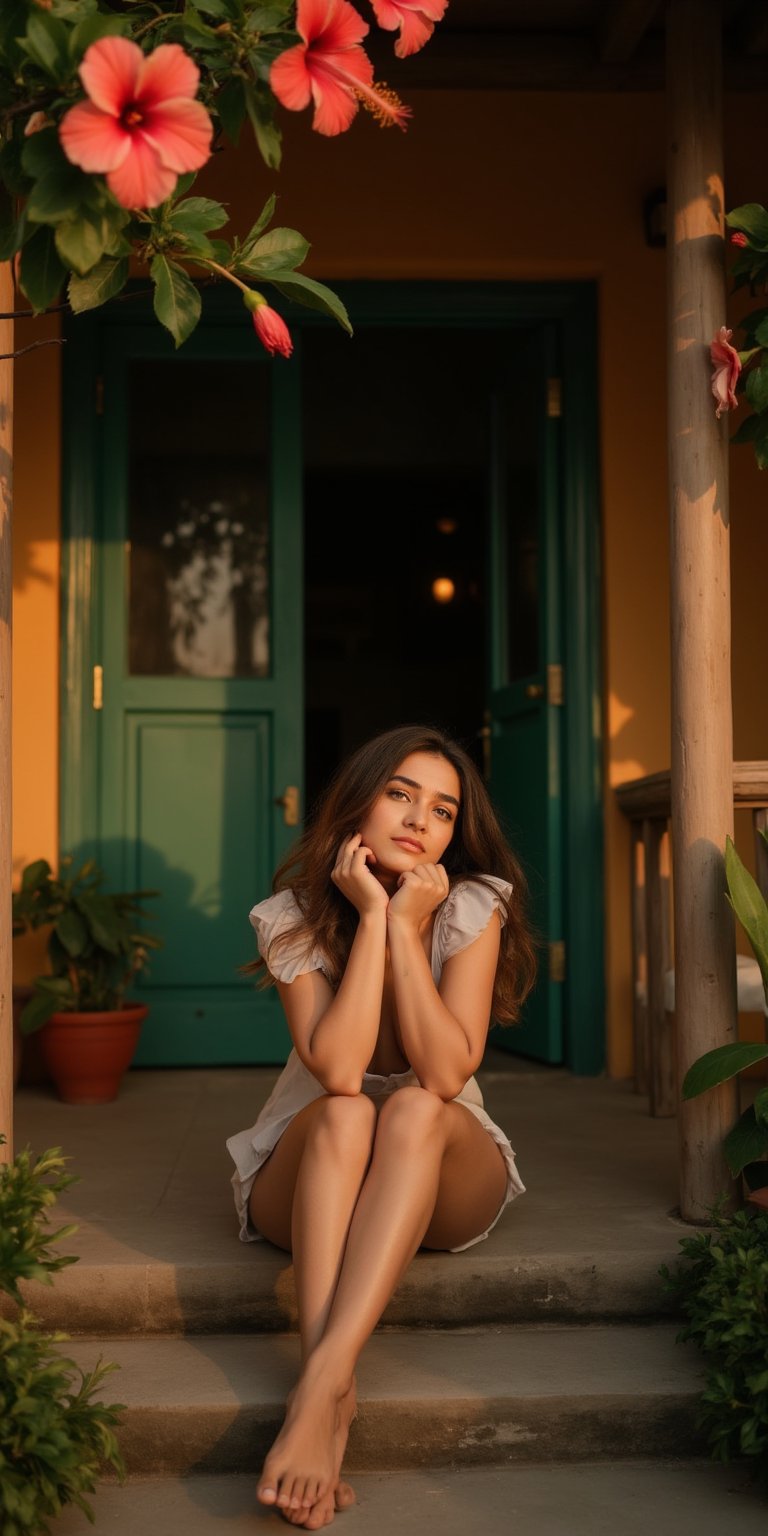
x=412 y=1115
x=344 y=1122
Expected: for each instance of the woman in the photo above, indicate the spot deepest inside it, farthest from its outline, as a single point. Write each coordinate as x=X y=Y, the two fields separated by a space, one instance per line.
x=396 y=930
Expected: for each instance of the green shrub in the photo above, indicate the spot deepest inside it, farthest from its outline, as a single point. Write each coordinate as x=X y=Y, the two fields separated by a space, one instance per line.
x=722 y=1287
x=54 y=1440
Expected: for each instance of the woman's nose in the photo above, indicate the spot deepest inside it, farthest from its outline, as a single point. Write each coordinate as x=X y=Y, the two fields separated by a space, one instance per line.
x=416 y=817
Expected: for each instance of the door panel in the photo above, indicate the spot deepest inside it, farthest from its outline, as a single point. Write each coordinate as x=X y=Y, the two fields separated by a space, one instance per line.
x=200 y=731
x=524 y=707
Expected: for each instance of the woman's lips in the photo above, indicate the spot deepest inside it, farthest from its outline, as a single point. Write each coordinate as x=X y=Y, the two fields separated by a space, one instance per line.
x=409 y=843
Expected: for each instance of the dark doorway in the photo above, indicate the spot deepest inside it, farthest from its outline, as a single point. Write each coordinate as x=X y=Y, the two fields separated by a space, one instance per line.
x=396 y=495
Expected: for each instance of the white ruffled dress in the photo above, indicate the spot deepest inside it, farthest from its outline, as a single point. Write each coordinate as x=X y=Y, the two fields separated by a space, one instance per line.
x=460 y=919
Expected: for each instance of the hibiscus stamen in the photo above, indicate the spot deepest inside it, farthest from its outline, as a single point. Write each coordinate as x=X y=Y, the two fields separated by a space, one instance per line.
x=383 y=103
x=132 y=117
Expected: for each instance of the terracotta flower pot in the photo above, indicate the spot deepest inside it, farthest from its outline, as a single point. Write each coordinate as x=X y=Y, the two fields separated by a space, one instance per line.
x=87 y=1053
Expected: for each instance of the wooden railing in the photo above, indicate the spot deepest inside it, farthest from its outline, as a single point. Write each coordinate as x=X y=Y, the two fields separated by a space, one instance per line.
x=647 y=804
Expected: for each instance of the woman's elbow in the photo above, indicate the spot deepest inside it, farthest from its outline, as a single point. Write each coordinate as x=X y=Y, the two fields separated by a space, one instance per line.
x=442 y=1088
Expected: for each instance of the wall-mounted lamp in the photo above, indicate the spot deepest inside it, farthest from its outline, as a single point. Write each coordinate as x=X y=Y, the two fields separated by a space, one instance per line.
x=655 y=217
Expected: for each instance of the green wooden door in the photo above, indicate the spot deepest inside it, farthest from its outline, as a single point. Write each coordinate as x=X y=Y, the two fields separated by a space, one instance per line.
x=200 y=728
x=525 y=697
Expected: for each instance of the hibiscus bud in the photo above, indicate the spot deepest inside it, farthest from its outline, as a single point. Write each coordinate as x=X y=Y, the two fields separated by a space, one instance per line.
x=35 y=122
x=269 y=326
x=739 y=239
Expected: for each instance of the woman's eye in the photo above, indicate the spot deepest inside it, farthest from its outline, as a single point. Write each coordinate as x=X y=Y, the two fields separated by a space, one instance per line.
x=446 y=815
x=398 y=794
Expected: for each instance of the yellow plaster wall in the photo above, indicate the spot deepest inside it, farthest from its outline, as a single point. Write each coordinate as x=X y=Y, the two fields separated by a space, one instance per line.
x=518 y=186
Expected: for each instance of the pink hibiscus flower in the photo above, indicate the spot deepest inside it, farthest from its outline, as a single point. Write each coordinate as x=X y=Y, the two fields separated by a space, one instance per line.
x=415 y=18
x=141 y=127
x=726 y=367
x=330 y=68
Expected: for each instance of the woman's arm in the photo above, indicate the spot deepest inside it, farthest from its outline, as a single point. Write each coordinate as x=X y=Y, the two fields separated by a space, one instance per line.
x=335 y=1036
x=443 y=1032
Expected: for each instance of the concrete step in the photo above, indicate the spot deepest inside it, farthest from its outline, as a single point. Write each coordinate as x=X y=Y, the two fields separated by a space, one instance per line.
x=254 y=1291
x=426 y=1399
x=594 y=1499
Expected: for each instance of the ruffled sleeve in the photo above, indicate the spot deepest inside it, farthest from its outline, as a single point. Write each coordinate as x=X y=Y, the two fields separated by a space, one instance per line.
x=464 y=915
x=273 y=917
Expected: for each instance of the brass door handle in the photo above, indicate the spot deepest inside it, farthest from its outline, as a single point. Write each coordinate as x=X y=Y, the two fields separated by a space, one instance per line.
x=290 y=803
x=534 y=691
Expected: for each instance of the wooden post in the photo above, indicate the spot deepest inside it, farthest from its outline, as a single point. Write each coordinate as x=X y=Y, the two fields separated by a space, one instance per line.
x=702 y=731
x=6 y=587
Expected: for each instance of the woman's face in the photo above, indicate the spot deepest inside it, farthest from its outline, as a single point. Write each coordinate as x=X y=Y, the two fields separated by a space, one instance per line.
x=413 y=820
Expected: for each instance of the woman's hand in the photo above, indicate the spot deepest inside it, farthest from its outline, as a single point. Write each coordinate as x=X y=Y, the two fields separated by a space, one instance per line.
x=355 y=880
x=419 y=891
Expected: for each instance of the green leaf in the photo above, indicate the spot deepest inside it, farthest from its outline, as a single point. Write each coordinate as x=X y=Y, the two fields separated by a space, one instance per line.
x=265 y=218
x=232 y=108
x=102 y=283
x=177 y=300
x=280 y=250
x=260 y=104
x=42 y=152
x=36 y=1013
x=757 y=387
x=80 y=243
x=91 y=28
x=72 y=932
x=42 y=275
x=719 y=1065
x=267 y=18
x=760 y=1106
x=305 y=290
x=197 y=215
x=752 y=219
x=35 y=874
x=47 y=42
x=221 y=251
x=221 y=8
x=747 y=1140
x=749 y=904
x=59 y=194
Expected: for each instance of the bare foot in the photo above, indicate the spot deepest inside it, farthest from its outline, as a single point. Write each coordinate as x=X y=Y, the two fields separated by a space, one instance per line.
x=322 y=1512
x=302 y=1466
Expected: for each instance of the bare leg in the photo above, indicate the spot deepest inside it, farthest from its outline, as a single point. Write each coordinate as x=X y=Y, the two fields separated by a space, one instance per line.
x=305 y=1203
x=391 y=1218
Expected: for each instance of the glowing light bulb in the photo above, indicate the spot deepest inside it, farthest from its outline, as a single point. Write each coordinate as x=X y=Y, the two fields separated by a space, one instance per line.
x=443 y=589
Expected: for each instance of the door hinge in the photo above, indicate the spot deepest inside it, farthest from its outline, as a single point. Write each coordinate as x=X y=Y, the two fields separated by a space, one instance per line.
x=557 y=960
x=554 y=398
x=555 y=684
x=289 y=800
x=98 y=688
x=99 y=394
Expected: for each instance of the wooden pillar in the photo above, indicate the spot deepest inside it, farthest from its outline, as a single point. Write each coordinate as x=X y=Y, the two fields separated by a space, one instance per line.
x=6 y=585
x=702 y=733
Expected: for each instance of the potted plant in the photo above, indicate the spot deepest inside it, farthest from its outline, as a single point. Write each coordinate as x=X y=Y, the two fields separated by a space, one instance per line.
x=90 y=1030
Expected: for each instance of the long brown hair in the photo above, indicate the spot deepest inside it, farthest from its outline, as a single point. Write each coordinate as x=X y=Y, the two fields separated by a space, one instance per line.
x=478 y=847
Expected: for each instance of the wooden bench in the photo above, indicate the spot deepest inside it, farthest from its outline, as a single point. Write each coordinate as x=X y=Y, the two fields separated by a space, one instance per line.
x=647 y=804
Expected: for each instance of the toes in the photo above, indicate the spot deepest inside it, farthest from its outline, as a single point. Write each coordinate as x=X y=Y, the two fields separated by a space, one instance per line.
x=321 y=1515
x=344 y=1495
x=266 y=1493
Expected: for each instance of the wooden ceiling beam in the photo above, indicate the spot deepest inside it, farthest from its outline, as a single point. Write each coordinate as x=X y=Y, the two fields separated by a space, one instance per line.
x=622 y=27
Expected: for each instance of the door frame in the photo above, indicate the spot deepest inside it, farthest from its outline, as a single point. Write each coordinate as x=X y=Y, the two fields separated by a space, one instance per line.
x=499 y=305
